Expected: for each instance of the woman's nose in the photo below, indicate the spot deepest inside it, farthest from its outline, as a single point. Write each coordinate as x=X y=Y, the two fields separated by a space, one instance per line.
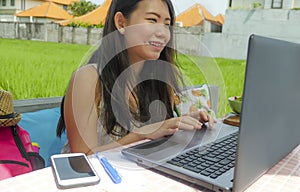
x=162 y=30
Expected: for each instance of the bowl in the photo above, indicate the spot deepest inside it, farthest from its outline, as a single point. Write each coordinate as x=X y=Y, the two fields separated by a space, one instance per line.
x=235 y=104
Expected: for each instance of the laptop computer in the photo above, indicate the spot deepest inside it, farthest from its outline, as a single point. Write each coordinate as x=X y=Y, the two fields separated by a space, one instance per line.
x=227 y=158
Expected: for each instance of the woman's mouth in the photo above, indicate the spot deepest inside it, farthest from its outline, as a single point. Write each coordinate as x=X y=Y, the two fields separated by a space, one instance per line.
x=156 y=44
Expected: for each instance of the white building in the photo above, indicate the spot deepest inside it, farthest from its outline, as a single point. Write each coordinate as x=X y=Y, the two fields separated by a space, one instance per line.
x=278 y=19
x=8 y=8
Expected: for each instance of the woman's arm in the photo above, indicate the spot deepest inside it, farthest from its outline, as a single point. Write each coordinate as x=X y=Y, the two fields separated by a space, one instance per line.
x=155 y=130
x=81 y=117
x=80 y=110
x=81 y=113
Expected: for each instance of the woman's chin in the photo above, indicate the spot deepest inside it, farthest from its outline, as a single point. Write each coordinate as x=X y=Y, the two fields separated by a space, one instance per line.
x=154 y=56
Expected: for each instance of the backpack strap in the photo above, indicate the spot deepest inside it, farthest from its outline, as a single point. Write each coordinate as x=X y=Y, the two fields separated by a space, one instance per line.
x=19 y=142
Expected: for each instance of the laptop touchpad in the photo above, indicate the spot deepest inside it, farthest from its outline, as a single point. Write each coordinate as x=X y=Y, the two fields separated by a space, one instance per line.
x=157 y=150
x=165 y=148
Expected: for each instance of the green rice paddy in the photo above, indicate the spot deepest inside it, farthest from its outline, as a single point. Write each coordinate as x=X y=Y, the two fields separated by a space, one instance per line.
x=33 y=69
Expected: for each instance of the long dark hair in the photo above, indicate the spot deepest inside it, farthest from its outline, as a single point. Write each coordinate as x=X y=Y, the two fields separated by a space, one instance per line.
x=112 y=59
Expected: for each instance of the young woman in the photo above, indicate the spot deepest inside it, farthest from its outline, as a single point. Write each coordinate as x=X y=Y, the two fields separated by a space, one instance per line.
x=126 y=93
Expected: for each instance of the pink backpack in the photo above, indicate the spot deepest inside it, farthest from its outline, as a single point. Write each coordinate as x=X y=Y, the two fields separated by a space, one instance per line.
x=17 y=155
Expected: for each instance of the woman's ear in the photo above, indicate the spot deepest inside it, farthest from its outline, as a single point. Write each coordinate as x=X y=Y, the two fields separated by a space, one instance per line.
x=120 y=22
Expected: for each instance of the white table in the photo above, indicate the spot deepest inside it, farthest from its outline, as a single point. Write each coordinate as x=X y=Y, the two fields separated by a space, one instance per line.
x=285 y=176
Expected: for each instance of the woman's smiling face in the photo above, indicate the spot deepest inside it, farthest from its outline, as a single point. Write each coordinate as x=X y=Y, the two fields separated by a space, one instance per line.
x=147 y=30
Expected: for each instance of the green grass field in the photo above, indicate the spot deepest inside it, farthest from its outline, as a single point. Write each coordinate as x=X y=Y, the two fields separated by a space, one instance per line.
x=32 y=69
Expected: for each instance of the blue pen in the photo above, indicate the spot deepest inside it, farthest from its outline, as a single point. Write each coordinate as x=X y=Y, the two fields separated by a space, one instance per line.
x=112 y=172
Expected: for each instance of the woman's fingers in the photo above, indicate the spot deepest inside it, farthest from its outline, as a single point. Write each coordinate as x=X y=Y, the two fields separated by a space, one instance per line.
x=205 y=117
x=185 y=122
x=171 y=126
x=185 y=126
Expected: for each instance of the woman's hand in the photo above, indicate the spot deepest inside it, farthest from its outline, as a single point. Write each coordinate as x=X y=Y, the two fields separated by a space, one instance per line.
x=169 y=127
x=203 y=117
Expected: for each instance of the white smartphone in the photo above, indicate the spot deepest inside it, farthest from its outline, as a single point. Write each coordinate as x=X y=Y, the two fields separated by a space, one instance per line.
x=73 y=170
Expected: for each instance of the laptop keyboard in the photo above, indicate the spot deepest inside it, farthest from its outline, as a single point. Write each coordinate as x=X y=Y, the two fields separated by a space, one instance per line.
x=212 y=160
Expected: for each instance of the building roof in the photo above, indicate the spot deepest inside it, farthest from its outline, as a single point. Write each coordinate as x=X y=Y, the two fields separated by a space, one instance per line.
x=63 y=2
x=46 y=10
x=195 y=15
x=94 y=17
x=220 y=18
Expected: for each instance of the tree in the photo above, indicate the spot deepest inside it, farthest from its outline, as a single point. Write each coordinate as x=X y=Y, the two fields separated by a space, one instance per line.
x=81 y=8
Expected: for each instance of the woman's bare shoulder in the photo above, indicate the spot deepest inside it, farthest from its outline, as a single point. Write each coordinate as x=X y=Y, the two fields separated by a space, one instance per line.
x=84 y=86
x=87 y=71
x=84 y=78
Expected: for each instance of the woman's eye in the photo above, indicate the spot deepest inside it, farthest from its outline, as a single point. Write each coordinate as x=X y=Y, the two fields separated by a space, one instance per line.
x=167 y=25
x=152 y=20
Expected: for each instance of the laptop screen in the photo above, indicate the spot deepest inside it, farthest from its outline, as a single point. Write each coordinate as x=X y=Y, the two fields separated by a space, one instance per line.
x=268 y=131
x=269 y=128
